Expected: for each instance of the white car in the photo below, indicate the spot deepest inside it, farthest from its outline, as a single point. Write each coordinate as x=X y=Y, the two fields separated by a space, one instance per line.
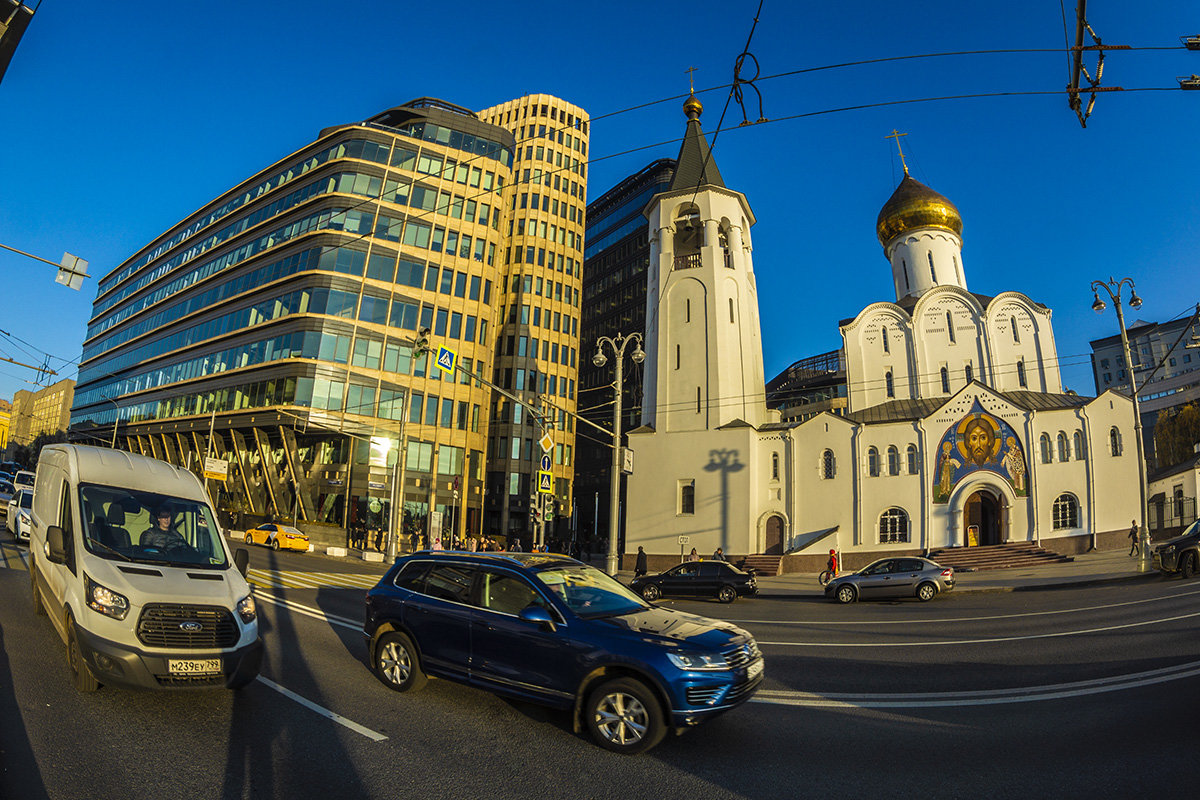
x=17 y=520
x=7 y=490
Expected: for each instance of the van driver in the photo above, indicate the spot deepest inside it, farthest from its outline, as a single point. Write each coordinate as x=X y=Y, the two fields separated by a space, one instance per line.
x=159 y=534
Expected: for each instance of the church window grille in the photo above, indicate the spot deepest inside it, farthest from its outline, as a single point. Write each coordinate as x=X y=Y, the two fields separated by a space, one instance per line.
x=1080 y=449
x=893 y=455
x=1064 y=450
x=1114 y=441
x=945 y=381
x=687 y=497
x=873 y=462
x=893 y=526
x=970 y=371
x=774 y=466
x=1047 y=454
x=1021 y=374
x=1012 y=321
x=890 y=384
x=884 y=336
x=913 y=464
x=828 y=465
x=950 y=326
x=932 y=272
x=1066 y=512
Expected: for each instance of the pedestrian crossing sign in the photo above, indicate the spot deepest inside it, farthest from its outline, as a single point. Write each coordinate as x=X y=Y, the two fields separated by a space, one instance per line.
x=545 y=482
x=446 y=358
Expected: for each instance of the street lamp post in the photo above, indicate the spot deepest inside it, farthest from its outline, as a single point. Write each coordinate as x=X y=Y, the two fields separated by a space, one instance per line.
x=618 y=345
x=1113 y=288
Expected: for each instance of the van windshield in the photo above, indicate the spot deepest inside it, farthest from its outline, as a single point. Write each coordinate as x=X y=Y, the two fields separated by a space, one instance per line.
x=144 y=527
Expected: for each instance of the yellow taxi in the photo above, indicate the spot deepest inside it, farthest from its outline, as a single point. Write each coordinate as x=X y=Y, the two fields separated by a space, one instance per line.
x=277 y=537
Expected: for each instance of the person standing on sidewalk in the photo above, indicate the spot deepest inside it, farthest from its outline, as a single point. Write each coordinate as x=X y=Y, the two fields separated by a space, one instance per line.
x=639 y=567
x=1133 y=539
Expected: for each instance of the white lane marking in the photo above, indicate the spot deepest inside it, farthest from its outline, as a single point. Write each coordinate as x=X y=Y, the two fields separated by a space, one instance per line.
x=309 y=611
x=987 y=641
x=293 y=579
x=944 y=620
x=980 y=698
x=324 y=712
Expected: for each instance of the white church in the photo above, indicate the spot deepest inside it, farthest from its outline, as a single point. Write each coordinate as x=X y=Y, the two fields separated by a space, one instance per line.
x=957 y=431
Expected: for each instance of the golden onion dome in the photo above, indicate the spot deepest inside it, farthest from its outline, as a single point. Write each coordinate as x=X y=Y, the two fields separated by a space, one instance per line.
x=914 y=205
x=692 y=108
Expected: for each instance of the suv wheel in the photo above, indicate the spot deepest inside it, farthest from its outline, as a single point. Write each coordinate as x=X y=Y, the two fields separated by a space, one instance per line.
x=727 y=594
x=926 y=592
x=846 y=593
x=397 y=663
x=1189 y=566
x=624 y=716
x=650 y=592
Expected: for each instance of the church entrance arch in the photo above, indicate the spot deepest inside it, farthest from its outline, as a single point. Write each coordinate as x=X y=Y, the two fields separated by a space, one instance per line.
x=985 y=518
x=773 y=536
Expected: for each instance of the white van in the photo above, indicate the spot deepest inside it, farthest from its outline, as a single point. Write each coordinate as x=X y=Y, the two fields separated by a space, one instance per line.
x=130 y=565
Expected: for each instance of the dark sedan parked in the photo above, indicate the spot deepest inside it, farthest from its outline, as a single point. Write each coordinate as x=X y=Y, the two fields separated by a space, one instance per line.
x=697 y=579
x=893 y=577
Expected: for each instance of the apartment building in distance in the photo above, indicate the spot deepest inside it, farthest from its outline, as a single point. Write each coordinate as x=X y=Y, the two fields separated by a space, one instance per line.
x=47 y=410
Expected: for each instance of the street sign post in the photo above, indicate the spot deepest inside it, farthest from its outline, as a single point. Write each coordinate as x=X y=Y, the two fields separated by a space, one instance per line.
x=216 y=469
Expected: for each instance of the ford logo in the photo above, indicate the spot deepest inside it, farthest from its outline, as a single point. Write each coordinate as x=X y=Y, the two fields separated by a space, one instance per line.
x=191 y=627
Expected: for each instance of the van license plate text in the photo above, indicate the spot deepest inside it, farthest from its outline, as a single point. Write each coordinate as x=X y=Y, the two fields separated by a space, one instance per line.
x=202 y=666
x=754 y=669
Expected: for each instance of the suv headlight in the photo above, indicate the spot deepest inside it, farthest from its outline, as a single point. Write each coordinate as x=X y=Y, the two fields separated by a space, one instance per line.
x=105 y=600
x=698 y=661
x=246 y=609
x=1166 y=550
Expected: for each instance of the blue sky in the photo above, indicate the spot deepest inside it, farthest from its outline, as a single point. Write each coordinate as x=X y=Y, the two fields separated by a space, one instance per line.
x=121 y=120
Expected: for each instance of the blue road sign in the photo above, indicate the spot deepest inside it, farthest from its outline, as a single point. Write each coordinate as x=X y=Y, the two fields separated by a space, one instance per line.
x=545 y=482
x=545 y=461
x=446 y=358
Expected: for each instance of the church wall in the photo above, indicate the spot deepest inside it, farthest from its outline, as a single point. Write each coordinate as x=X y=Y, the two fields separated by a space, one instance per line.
x=910 y=258
x=1115 y=478
x=684 y=358
x=880 y=493
x=868 y=362
x=950 y=343
x=822 y=503
x=1033 y=345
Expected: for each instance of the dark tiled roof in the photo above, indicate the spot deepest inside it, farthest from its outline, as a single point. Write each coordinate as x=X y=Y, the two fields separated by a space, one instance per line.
x=1039 y=401
x=695 y=165
x=1167 y=472
x=906 y=410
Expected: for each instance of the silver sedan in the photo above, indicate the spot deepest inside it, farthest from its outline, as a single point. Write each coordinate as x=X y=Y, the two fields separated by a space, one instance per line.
x=906 y=576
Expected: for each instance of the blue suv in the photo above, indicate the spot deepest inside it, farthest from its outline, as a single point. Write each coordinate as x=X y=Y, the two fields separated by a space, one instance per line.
x=549 y=629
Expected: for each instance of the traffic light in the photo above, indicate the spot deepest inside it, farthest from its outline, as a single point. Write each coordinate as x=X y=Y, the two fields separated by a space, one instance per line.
x=421 y=345
x=549 y=509
x=535 y=514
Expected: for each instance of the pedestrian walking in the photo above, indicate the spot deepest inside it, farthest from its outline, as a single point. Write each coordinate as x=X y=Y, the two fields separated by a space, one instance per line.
x=639 y=568
x=693 y=556
x=832 y=564
x=1133 y=539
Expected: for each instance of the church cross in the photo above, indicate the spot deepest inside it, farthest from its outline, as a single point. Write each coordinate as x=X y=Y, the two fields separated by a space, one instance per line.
x=895 y=134
x=691 y=79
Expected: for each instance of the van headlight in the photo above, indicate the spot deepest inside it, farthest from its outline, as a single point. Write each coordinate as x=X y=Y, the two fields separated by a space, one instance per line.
x=246 y=609
x=698 y=661
x=105 y=600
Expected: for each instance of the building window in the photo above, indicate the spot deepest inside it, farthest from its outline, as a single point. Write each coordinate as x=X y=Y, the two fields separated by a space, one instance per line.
x=731 y=309
x=1080 y=450
x=970 y=372
x=893 y=526
x=1012 y=321
x=884 y=336
x=687 y=497
x=873 y=462
x=828 y=465
x=1064 y=452
x=945 y=381
x=950 y=326
x=893 y=460
x=1066 y=512
x=1114 y=441
x=1021 y=374
x=891 y=387
x=1047 y=455
x=913 y=464
x=932 y=273
x=774 y=466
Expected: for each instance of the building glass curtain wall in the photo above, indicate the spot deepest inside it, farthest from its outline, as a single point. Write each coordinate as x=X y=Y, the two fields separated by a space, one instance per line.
x=281 y=316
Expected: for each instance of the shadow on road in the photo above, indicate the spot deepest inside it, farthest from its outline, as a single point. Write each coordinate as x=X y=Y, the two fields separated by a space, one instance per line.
x=19 y=773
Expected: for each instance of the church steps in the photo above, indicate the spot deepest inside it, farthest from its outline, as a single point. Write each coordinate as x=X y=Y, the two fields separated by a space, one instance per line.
x=763 y=564
x=999 y=556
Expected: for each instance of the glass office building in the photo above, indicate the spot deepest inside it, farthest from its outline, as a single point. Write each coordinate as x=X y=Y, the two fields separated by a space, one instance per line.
x=273 y=328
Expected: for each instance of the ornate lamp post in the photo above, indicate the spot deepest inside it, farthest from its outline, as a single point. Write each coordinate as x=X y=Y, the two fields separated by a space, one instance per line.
x=618 y=345
x=1113 y=288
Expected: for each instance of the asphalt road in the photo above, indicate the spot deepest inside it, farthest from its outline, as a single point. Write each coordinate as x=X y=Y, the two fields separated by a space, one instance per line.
x=1085 y=692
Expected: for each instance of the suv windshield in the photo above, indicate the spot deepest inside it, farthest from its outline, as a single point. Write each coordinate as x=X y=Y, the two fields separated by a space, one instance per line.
x=589 y=592
x=145 y=527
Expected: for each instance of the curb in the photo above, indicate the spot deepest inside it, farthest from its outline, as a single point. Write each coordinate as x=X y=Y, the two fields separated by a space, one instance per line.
x=1051 y=586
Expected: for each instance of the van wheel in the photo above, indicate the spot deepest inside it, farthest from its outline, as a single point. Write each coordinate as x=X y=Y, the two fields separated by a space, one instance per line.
x=624 y=716
x=81 y=674
x=39 y=607
x=726 y=594
x=397 y=663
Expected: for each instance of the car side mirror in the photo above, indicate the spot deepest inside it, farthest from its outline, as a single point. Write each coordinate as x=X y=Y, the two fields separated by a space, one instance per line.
x=241 y=560
x=538 y=616
x=57 y=545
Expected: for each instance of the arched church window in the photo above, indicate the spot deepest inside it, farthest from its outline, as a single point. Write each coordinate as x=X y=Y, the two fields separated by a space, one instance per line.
x=1012 y=321
x=1114 y=441
x=723 y=240
x=774 y=466
x=970 y=373
x=828 y=465
x=1066 y=512
x=873 y=462
x=913 y=464
x=893 y=526
x=1021 y=374
x=1047 y=455
x=958 y=269
x=945 y=381
x=687 y=309
x=932 y=273
x=884 y=336
x=893 y=460
x=889 y=384
x=950 y=326
x=677 y=355
x=904 y=269
x=1064 y=453
x=1080 y=449
x=731 y=309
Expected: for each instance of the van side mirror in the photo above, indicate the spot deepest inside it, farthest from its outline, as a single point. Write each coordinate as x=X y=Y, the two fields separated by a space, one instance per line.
x=241 y=560
x=538 y=616
x=56 y=543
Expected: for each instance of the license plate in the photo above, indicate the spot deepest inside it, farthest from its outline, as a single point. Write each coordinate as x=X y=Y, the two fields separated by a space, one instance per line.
x=200 y=666
x=755 y=669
